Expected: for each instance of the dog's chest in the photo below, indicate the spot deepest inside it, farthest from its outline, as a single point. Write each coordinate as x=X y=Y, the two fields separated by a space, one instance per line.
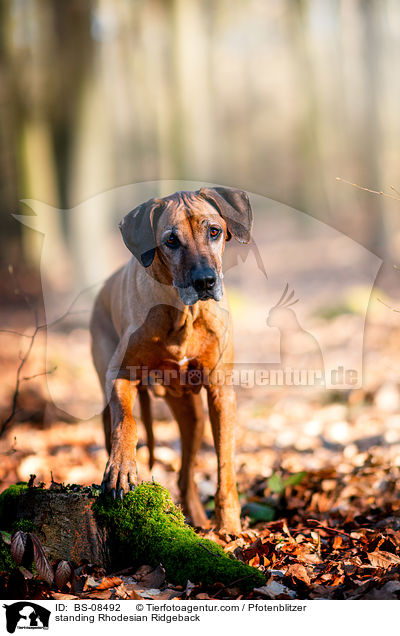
x=182 y=359
x=191 y=345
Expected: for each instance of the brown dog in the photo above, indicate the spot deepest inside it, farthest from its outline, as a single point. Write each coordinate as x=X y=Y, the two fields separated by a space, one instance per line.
x=163 y=319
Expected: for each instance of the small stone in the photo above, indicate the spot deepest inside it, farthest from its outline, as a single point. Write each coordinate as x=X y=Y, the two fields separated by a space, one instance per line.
x=387 y=398
x=313 y=427
x=338 y=432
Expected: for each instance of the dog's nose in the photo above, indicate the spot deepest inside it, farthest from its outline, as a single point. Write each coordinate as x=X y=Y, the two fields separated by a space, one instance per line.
x=203 y=279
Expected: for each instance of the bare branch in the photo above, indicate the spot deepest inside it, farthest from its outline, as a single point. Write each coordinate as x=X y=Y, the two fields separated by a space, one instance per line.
x=24 y=357
x=388 y=306
x=14 y=403
x=15 y=333
x=380 y=192
x=37 y=375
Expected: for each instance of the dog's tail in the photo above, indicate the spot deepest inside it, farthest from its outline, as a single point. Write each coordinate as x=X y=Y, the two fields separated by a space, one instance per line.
x=147 y=419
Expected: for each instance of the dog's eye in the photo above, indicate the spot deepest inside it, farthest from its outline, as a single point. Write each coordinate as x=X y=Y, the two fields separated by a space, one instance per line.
x=172 y=241
x=215 y=232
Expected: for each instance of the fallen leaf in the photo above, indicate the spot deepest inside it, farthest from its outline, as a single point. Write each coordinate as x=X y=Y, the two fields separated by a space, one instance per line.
x=298 y=571
x=154 y=578
x=337 y=542
x=274 y=590
x=101 y=595
x=62 y=574
x=381 y=559
x=389 y=591
x=90 y=583
x=107 y=582
x=59 y=596
x=18 y=544
x=6 y=537
x=42 y=565
x=133 y=591
x=122 y=592
x=258 y=512
x=189 y=587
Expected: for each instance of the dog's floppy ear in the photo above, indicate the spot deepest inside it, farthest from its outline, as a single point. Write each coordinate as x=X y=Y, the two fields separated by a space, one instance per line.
x=234 y=207
x=138 y=230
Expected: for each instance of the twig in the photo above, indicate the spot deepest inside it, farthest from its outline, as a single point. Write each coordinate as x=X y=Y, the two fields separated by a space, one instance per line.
x=15 y=333
x=24 y=358
x=14 y=402
x=37 y=375
x=380 y=192
x=243 y=578
x=209 y=551
x=388 y=306
x=328 y=529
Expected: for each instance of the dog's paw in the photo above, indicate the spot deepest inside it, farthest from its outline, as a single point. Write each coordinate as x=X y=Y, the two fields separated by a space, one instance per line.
x=119 y=477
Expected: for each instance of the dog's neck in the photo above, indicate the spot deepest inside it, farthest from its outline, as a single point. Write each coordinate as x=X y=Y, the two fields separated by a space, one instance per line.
x=185 y=319
x=150 y=291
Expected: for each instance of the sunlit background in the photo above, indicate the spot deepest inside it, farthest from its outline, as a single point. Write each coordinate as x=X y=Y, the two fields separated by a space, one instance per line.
x=278 y=97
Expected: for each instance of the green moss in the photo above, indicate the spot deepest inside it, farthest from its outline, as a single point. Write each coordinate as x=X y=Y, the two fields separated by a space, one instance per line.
x=8 y=504
x=7 y=563
x=23 y=524
x=149 y=528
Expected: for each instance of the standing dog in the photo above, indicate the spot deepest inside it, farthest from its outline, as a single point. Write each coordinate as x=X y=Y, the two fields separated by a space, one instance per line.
x=166 y=310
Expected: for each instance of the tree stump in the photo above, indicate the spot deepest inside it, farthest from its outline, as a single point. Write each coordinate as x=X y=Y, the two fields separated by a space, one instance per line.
x=74 y=523
x=64 y=522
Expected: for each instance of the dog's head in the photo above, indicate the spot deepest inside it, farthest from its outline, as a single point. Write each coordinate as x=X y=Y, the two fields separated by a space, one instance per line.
x=185 y=234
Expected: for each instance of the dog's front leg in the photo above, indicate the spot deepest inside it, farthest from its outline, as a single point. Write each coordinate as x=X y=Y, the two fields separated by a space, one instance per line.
x=222 y=407
x=120 y=473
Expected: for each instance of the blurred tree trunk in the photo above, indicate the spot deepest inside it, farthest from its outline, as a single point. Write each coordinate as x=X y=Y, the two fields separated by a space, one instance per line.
x=191 y=68
x=370 y=133
x=311 y=196
x=9 y=118
x=40 y=181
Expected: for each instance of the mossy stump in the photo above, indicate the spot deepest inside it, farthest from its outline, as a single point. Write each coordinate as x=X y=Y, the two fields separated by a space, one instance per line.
x=145 y=527
x=63 y=520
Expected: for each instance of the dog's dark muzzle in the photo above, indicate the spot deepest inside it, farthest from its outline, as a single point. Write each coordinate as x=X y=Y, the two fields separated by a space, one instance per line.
x=204 y=281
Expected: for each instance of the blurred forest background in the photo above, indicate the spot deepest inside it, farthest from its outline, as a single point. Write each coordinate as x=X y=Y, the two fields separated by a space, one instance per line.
x=278 y=97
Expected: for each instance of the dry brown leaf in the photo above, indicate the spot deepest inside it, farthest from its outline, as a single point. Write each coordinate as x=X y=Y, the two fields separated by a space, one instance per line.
x=90 y=584
x=133 y=591
x=306 y=556
x=62 y=574
x=298 y=571
x=42 y=565
x=101 y=595
x=274 y=590
x=381 y=559
x=255 y=561
x=59 y=596
x=337 y=542
x=203 y=597
x=107 y=582
x=151 y=578
x=18 y=545
x=122 y=592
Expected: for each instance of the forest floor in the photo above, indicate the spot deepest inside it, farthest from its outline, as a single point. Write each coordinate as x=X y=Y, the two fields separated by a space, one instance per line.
x=318 y=470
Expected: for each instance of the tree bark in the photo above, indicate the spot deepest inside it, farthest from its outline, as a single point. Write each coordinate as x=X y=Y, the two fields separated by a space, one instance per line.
x=65 y=524
x=144 y=528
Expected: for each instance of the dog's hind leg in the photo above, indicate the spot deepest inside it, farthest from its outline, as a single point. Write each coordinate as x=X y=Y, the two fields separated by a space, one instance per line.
x=147 y=419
